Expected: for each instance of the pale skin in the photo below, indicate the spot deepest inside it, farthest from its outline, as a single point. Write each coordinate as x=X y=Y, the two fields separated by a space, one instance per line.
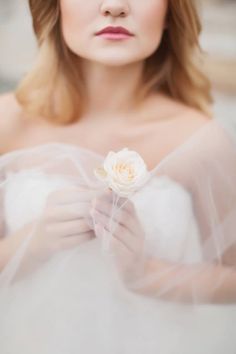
x=153 y=128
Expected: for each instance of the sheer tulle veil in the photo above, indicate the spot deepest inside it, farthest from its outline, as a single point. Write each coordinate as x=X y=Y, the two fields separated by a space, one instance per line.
x=172 y=287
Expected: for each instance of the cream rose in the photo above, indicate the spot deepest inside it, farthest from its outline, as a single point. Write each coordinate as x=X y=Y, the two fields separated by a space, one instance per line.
x=123 y=171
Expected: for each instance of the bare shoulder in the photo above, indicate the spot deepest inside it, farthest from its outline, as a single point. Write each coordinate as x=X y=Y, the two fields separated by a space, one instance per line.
x=174 y=112
x=10 y=120
x=8 y=105
x=190 y=123
x=193 y=121
x=180 y=121
x=172 y=124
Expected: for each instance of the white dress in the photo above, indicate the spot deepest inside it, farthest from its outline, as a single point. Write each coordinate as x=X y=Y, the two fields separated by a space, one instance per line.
x=77 y=303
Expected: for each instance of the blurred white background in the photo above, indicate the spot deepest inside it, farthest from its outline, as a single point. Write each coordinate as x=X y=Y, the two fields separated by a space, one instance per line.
x=18 y=48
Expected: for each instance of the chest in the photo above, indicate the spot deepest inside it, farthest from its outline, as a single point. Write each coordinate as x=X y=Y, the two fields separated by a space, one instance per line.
x=152 y=141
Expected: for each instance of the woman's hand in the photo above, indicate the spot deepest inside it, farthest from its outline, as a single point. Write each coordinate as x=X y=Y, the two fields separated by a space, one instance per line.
x=62 y=224
x=126 y=234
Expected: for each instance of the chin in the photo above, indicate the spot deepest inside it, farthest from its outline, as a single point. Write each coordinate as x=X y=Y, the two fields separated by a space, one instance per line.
x=115 y=60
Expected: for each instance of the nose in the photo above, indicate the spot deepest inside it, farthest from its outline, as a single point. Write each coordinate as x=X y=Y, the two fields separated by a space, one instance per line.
x=115 y=8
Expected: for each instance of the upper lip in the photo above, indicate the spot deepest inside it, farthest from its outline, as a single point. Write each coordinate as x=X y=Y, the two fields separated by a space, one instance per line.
x=117 y=29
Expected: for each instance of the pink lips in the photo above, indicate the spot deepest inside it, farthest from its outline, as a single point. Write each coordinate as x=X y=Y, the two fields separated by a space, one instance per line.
x=115 y=33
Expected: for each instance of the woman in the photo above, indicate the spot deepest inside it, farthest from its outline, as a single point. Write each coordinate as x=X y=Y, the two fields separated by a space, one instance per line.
x=131 y=251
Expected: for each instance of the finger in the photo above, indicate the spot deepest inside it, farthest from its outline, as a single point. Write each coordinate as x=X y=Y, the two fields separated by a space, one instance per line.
x=105 y=209
x=121 y=216
x=86 y=195
x=68 y=212
x=120 y=249
x=108 y=223
x=64 y=195
x=75 y=240
x=68 y=228
x=114 y=243
x=112 y=199
x=119 y=232
x=70 y=195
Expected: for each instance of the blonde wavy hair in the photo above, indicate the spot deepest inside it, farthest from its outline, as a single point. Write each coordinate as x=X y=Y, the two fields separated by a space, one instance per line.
x=53 y=89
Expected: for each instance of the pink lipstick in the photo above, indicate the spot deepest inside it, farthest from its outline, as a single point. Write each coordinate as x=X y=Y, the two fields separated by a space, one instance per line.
x=111 y=32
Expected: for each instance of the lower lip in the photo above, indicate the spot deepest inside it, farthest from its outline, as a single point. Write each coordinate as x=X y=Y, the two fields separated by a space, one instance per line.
x=116 y=36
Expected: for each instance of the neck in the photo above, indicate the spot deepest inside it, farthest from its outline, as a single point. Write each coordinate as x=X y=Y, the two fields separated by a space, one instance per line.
x=111 y=91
